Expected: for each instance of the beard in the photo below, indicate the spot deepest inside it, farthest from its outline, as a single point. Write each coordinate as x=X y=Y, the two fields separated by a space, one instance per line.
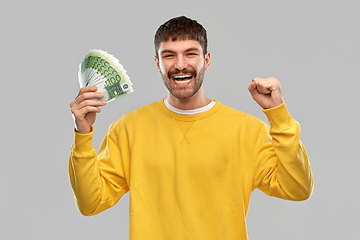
x=185 y=92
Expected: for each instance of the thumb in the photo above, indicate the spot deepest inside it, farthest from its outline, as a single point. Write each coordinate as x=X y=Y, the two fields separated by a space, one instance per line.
x=253 y=89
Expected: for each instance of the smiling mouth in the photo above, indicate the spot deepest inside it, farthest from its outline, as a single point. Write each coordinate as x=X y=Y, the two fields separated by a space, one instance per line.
x=182 y=79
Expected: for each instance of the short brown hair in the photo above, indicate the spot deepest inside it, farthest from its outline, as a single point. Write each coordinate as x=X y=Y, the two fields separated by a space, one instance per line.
x=181 y=28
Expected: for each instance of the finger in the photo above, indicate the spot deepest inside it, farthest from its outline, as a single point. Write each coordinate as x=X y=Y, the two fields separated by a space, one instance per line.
x=87 y=89
x=82 y=91
x=252 y=88
x=80 y=110
x=270 y=79
x=259 y=86
x=87 y=109
x=89 y=95
x=263 y=88
x=91 y=102
x=86 y=96
x=80 y=114
x=266 y=85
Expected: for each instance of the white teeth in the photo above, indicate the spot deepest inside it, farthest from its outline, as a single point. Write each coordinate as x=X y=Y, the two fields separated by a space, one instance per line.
x=182 y=76
x=182 y=81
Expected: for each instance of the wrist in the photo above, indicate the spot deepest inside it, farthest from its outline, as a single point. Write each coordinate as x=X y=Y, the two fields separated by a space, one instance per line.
x=279 y=117
x=82 y=131
x=83 y=143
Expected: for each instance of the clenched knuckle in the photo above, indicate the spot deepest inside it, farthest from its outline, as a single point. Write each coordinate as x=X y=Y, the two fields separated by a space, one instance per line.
x=73 y=111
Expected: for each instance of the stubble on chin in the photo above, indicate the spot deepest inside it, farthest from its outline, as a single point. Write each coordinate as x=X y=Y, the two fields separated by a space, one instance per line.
x=184 y=93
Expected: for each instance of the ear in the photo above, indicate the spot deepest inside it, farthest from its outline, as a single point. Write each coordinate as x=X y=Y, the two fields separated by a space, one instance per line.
x=207 y=60
x=157 y=63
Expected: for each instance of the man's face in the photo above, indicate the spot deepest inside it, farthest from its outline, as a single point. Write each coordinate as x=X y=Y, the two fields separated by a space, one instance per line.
x=182 y=64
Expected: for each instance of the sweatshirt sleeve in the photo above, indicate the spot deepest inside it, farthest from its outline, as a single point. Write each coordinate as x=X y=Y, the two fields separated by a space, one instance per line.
x=98 y=180
x=282 y=168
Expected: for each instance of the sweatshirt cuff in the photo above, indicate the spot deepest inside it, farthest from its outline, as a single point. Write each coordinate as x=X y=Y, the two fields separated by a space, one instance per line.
x=83 y=143
x=279 y=117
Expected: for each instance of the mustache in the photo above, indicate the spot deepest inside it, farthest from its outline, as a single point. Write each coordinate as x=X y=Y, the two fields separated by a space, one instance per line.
x=185 y=71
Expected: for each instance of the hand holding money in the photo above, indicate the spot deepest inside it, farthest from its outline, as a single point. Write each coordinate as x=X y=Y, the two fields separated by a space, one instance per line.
x=103 y=70
x=102 y=79
x=84 y=108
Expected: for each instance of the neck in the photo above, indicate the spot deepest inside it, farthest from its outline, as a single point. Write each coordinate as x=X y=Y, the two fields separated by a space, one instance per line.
x=197 y=101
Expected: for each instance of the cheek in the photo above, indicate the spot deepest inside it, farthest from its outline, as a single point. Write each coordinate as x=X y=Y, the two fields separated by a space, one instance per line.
x=199 y=65
x=163 y=67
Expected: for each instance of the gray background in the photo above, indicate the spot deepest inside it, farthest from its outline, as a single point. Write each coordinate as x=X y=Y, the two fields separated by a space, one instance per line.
x=312 y=47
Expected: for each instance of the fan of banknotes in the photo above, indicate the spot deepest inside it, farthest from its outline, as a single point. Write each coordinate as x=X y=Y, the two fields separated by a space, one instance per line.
x=103 y=70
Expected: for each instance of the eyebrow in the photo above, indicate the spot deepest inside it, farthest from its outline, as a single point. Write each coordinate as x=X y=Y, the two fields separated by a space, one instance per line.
x=192 y=49
x=187 y=50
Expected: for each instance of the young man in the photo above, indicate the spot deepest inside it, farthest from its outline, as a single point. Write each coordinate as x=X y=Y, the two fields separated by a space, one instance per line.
x=189 y=163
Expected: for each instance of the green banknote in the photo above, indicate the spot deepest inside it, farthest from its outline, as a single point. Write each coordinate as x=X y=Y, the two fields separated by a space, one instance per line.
x=103 y=70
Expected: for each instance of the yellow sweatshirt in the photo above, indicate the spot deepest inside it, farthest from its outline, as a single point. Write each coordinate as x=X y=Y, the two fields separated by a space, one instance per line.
x=190 y=176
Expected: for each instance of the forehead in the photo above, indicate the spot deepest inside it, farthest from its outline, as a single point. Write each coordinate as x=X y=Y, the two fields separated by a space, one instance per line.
x=179 y=45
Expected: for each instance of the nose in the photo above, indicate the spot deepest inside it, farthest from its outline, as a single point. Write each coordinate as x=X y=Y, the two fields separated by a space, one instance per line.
x=180 y=63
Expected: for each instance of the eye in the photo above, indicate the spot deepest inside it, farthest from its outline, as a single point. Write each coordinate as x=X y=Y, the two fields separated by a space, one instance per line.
x=191 y=54
x=169 y=55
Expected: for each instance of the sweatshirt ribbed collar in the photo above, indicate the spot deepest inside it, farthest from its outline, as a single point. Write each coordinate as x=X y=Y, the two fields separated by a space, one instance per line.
x=188 y=118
